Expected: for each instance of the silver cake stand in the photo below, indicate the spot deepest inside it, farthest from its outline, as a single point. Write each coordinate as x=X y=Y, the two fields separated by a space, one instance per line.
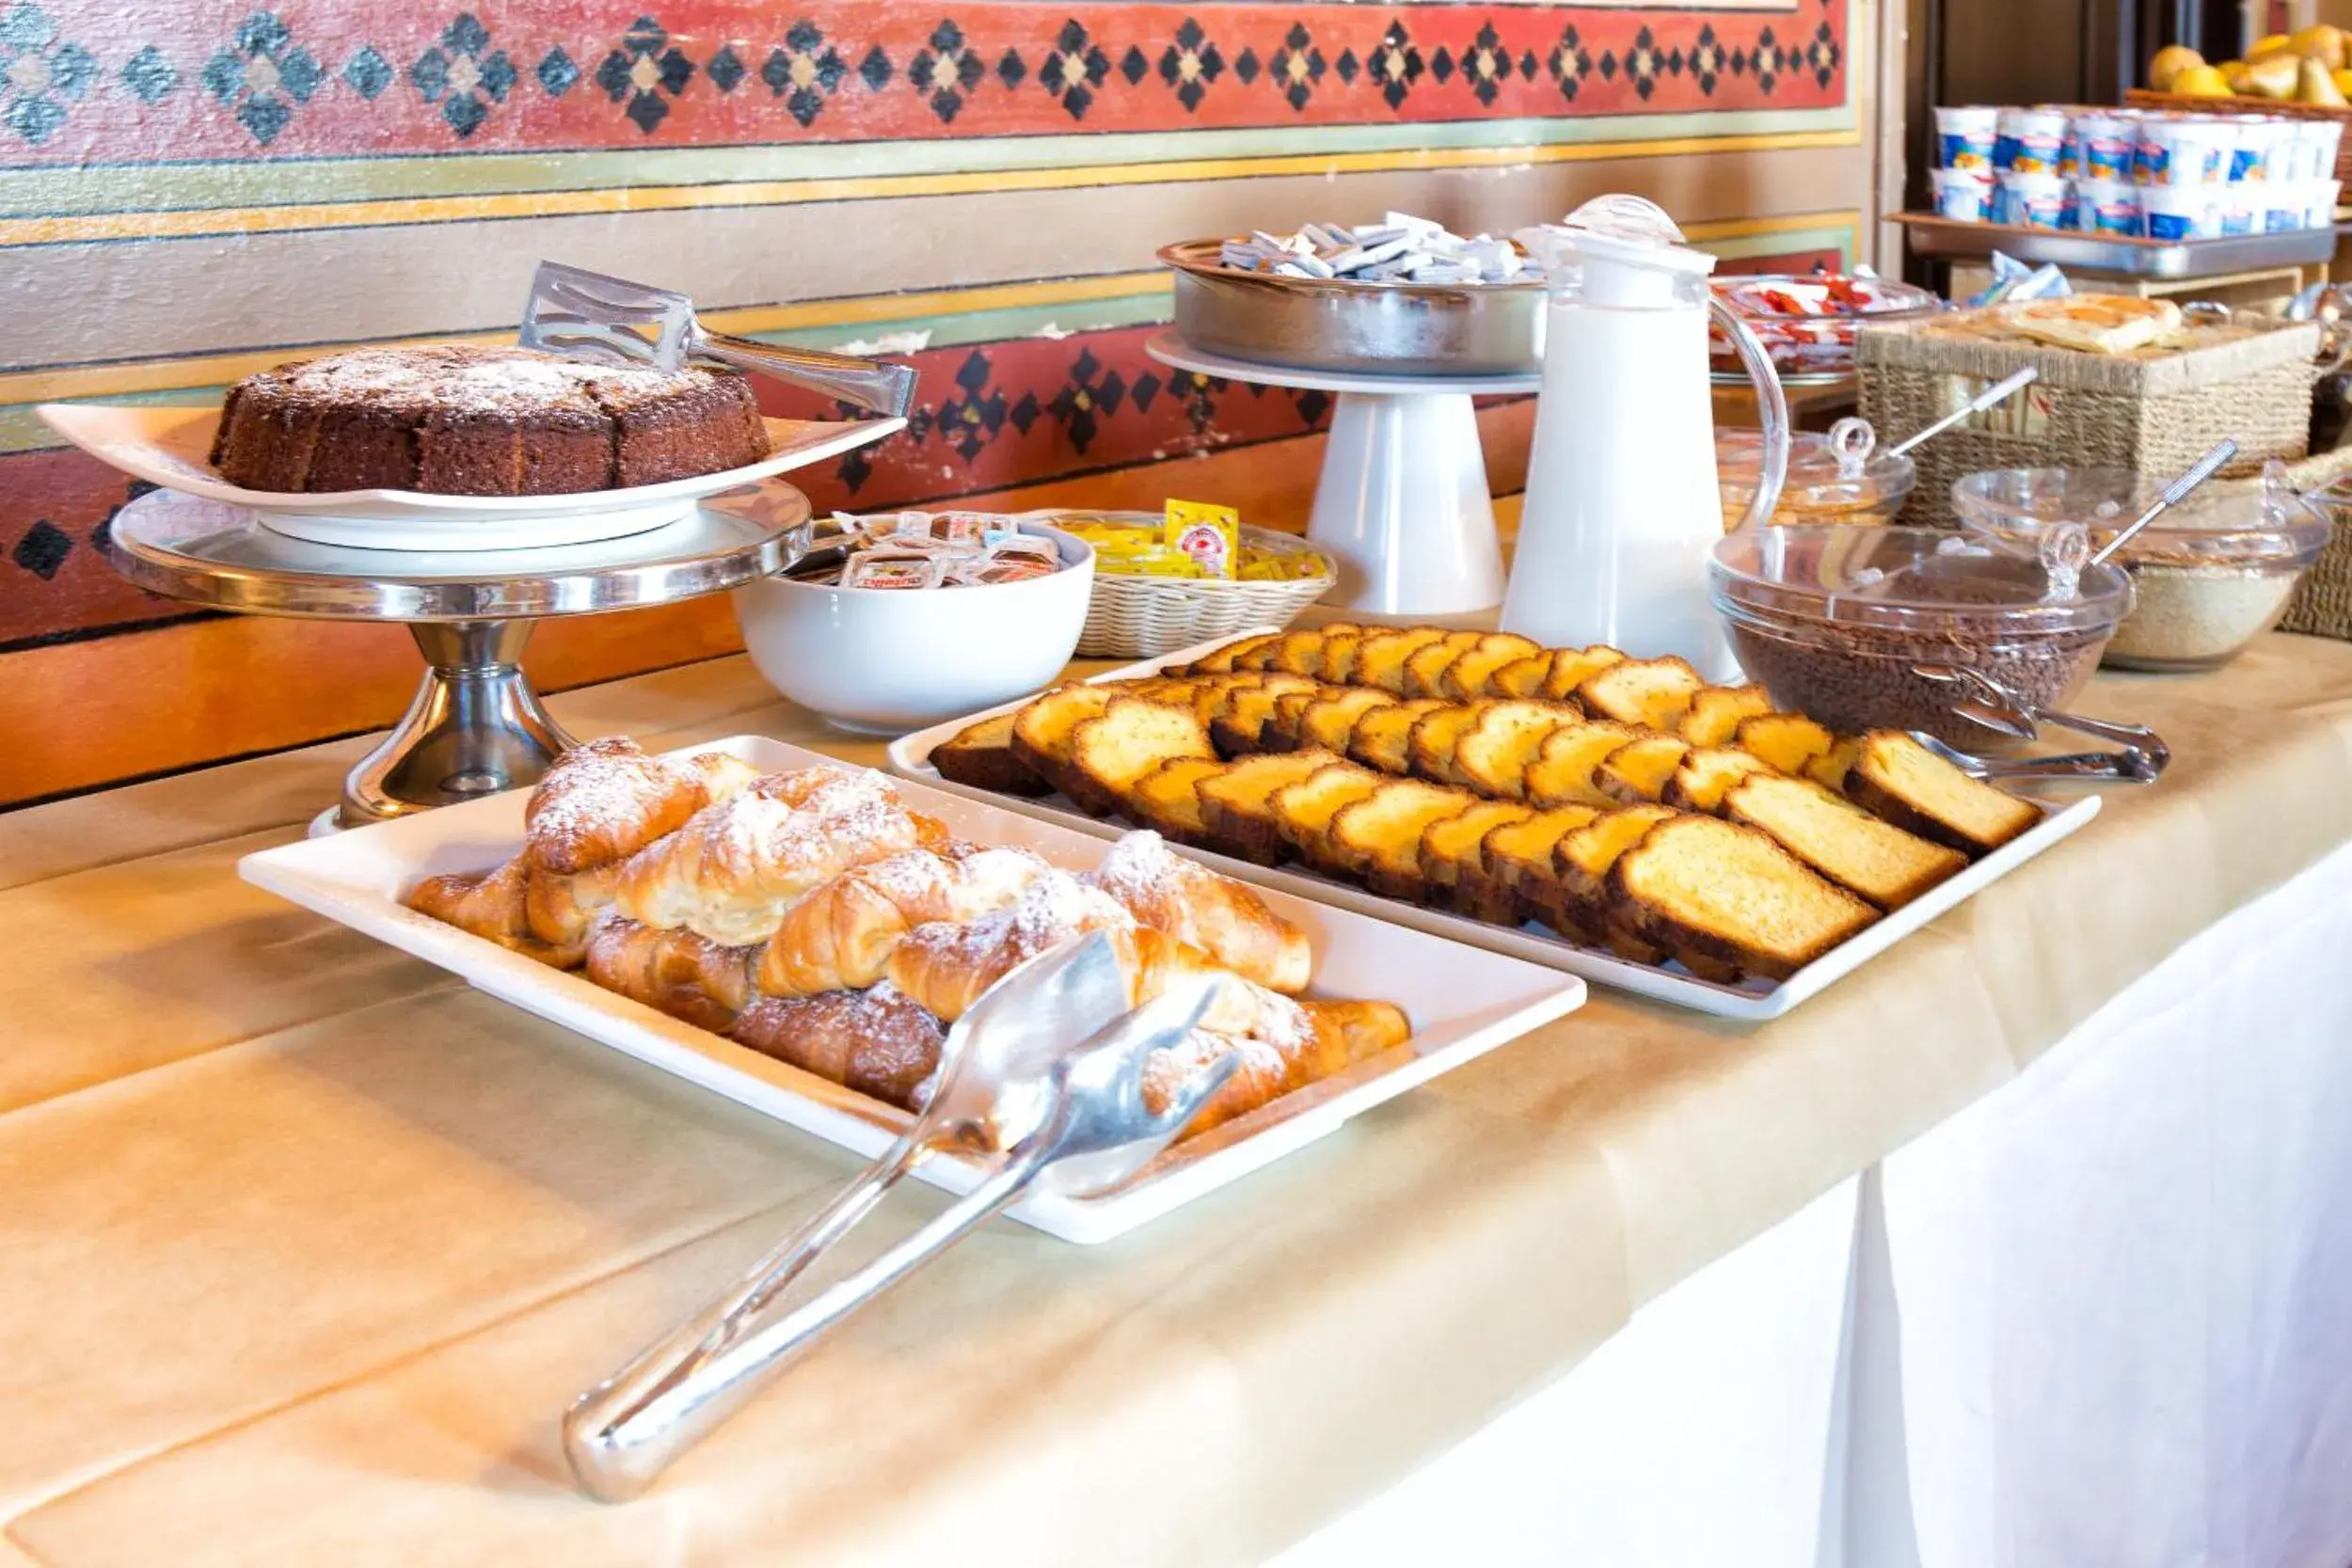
x=476 y=726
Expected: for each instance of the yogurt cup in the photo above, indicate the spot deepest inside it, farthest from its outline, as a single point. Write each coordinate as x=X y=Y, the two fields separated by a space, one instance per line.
x=1963 y=194
x=2028 y=141
x=2241 y=212
x=2254 y=145
x=2175 y=150
x=2109 y=207
x=2318 y=140
x=2285 y=204
x=2103 y=145
x=2319 y=202
x=2182 y=212
x=1963 y=139
x=2032 y=200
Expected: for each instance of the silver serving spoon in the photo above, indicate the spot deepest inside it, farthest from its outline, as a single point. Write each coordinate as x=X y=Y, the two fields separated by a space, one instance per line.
x=1041 y=1080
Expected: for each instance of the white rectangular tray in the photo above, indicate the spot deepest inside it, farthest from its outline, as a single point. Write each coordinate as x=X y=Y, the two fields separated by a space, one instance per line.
x=1462 y=1002
x=911 y=758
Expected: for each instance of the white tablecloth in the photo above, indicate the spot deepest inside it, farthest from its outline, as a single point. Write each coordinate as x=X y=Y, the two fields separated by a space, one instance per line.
x=2103 y=1319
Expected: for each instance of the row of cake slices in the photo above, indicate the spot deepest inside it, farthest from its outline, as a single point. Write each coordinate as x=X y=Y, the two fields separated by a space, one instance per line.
x=1639 y=809
x=813 y=916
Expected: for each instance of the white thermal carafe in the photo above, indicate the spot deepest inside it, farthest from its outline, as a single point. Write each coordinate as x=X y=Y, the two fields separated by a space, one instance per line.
x=1622 y=508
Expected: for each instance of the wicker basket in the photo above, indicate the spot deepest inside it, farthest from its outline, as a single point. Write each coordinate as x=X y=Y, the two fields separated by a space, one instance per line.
x=1139 y=617
x=2156 y=411
x=2323 y=605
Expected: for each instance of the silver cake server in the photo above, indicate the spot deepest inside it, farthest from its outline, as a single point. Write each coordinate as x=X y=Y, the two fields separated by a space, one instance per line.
x=587 y=315
x=1042 y=1081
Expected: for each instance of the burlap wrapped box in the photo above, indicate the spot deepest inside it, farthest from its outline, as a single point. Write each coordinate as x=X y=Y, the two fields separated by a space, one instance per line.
x=2156 y=410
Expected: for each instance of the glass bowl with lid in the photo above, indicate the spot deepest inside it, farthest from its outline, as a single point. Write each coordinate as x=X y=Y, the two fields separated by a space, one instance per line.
x=1840 y=477
x=1839 y=622
x=2209 y=575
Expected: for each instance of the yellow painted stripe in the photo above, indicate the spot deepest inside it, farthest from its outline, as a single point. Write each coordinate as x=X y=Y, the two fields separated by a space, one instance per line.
x=92 y=228
x=164 y=376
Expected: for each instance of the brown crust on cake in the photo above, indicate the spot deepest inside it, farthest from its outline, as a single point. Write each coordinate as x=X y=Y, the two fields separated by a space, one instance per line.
x=459 y=420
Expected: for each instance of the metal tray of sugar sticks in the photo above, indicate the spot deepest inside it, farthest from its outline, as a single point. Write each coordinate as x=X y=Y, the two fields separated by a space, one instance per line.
x=1391 y=326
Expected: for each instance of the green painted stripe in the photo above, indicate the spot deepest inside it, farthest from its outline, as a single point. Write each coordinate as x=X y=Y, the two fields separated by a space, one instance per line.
x=20 y=429
x=173 y=187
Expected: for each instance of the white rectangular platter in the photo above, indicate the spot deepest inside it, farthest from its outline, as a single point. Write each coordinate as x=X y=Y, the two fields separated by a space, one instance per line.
x=1463 y=1002
x=910 y=758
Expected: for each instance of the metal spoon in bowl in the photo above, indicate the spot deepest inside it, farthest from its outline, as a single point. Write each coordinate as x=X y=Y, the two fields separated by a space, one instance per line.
x=2199 y=472
x=1977 y=404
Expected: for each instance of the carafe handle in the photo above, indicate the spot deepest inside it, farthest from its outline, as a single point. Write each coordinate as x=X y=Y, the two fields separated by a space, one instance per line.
x=1771 y=408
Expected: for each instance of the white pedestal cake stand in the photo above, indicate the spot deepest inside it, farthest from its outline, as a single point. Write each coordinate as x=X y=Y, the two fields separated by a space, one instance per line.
x=476 y=726
x=1401 y=504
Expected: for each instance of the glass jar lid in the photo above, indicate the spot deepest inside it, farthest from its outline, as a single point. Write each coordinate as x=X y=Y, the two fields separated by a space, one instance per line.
x=1839 y=471
x=1930 y=582
x=2249 y=523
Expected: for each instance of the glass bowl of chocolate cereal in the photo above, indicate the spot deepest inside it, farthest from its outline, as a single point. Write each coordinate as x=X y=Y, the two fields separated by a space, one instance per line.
x=1840 y=623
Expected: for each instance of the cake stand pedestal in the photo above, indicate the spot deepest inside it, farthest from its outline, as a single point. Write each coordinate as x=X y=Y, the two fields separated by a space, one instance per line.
x=1401 y=504
x=476 y=726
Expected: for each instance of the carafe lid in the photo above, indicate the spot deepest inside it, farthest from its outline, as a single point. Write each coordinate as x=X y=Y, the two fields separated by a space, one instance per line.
x=1617 y=250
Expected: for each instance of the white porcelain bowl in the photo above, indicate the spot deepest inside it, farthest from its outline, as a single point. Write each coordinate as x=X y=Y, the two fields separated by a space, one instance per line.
x=884 y=660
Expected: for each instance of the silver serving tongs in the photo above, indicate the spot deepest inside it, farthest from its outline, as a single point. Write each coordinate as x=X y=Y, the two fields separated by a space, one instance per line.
x=1041 y=1080
x=589 y=316
x=2142 y=757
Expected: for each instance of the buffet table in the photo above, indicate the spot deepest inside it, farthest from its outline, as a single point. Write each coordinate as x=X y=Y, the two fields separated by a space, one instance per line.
x=306 y=1246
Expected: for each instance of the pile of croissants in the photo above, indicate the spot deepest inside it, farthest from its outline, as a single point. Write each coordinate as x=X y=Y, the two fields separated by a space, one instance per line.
x=812 y=916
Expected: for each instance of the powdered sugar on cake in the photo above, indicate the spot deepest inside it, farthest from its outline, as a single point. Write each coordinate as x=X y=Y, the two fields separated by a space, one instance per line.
x=463 y=379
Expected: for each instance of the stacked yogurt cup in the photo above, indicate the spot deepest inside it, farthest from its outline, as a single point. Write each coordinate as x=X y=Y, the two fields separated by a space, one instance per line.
x=2136 y=173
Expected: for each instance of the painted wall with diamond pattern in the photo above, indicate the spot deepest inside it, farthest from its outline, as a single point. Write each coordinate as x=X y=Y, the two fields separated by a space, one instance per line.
x=191 y=192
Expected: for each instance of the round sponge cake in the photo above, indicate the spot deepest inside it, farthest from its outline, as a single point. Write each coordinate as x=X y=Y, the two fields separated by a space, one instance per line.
x=456 y=420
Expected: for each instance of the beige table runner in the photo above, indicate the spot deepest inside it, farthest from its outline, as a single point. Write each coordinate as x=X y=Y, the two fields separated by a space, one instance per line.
x=305 y=1245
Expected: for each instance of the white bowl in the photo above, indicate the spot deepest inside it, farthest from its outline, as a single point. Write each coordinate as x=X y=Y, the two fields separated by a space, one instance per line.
x=885 y=660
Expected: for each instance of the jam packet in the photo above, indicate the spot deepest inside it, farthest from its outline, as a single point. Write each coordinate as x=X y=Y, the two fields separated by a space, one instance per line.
x=1208 y=536
x=877 y=569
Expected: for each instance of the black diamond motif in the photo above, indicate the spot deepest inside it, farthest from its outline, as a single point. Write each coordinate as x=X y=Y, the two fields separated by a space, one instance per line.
x=875 y=69
x=1010 y=69
x=557 y=73
x=1346 y=65
x=150 y=75
x=1112 y=392
x=43 y=549
x=1608 y=66
x=368 y=73
x=646 y=111
x=1570 y=63
x=854 y=470
x=725 y=70
x=1147 y=388
x=430 y=74
x=1132 y=66
x=1297 y=66
x=1396 y=65
x=464 y=112
x=1312 y=405
x=802 y=76
x=1025 y=413
x=1190 y=64
x=263 y=71
x=948 y=38
x=1485 y=65
x=1074 y=69
x=644 y=42
x=1442 y=65
x=1529 y=65
x=466 y=35
x=1246 y=66
x=972 y=375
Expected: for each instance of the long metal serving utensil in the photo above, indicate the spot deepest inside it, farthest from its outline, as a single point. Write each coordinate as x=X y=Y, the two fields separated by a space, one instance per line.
x=1043 y=1076
x=1977 y=404
x=2142 y=757
x=2199 y=472
x=588 y=315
